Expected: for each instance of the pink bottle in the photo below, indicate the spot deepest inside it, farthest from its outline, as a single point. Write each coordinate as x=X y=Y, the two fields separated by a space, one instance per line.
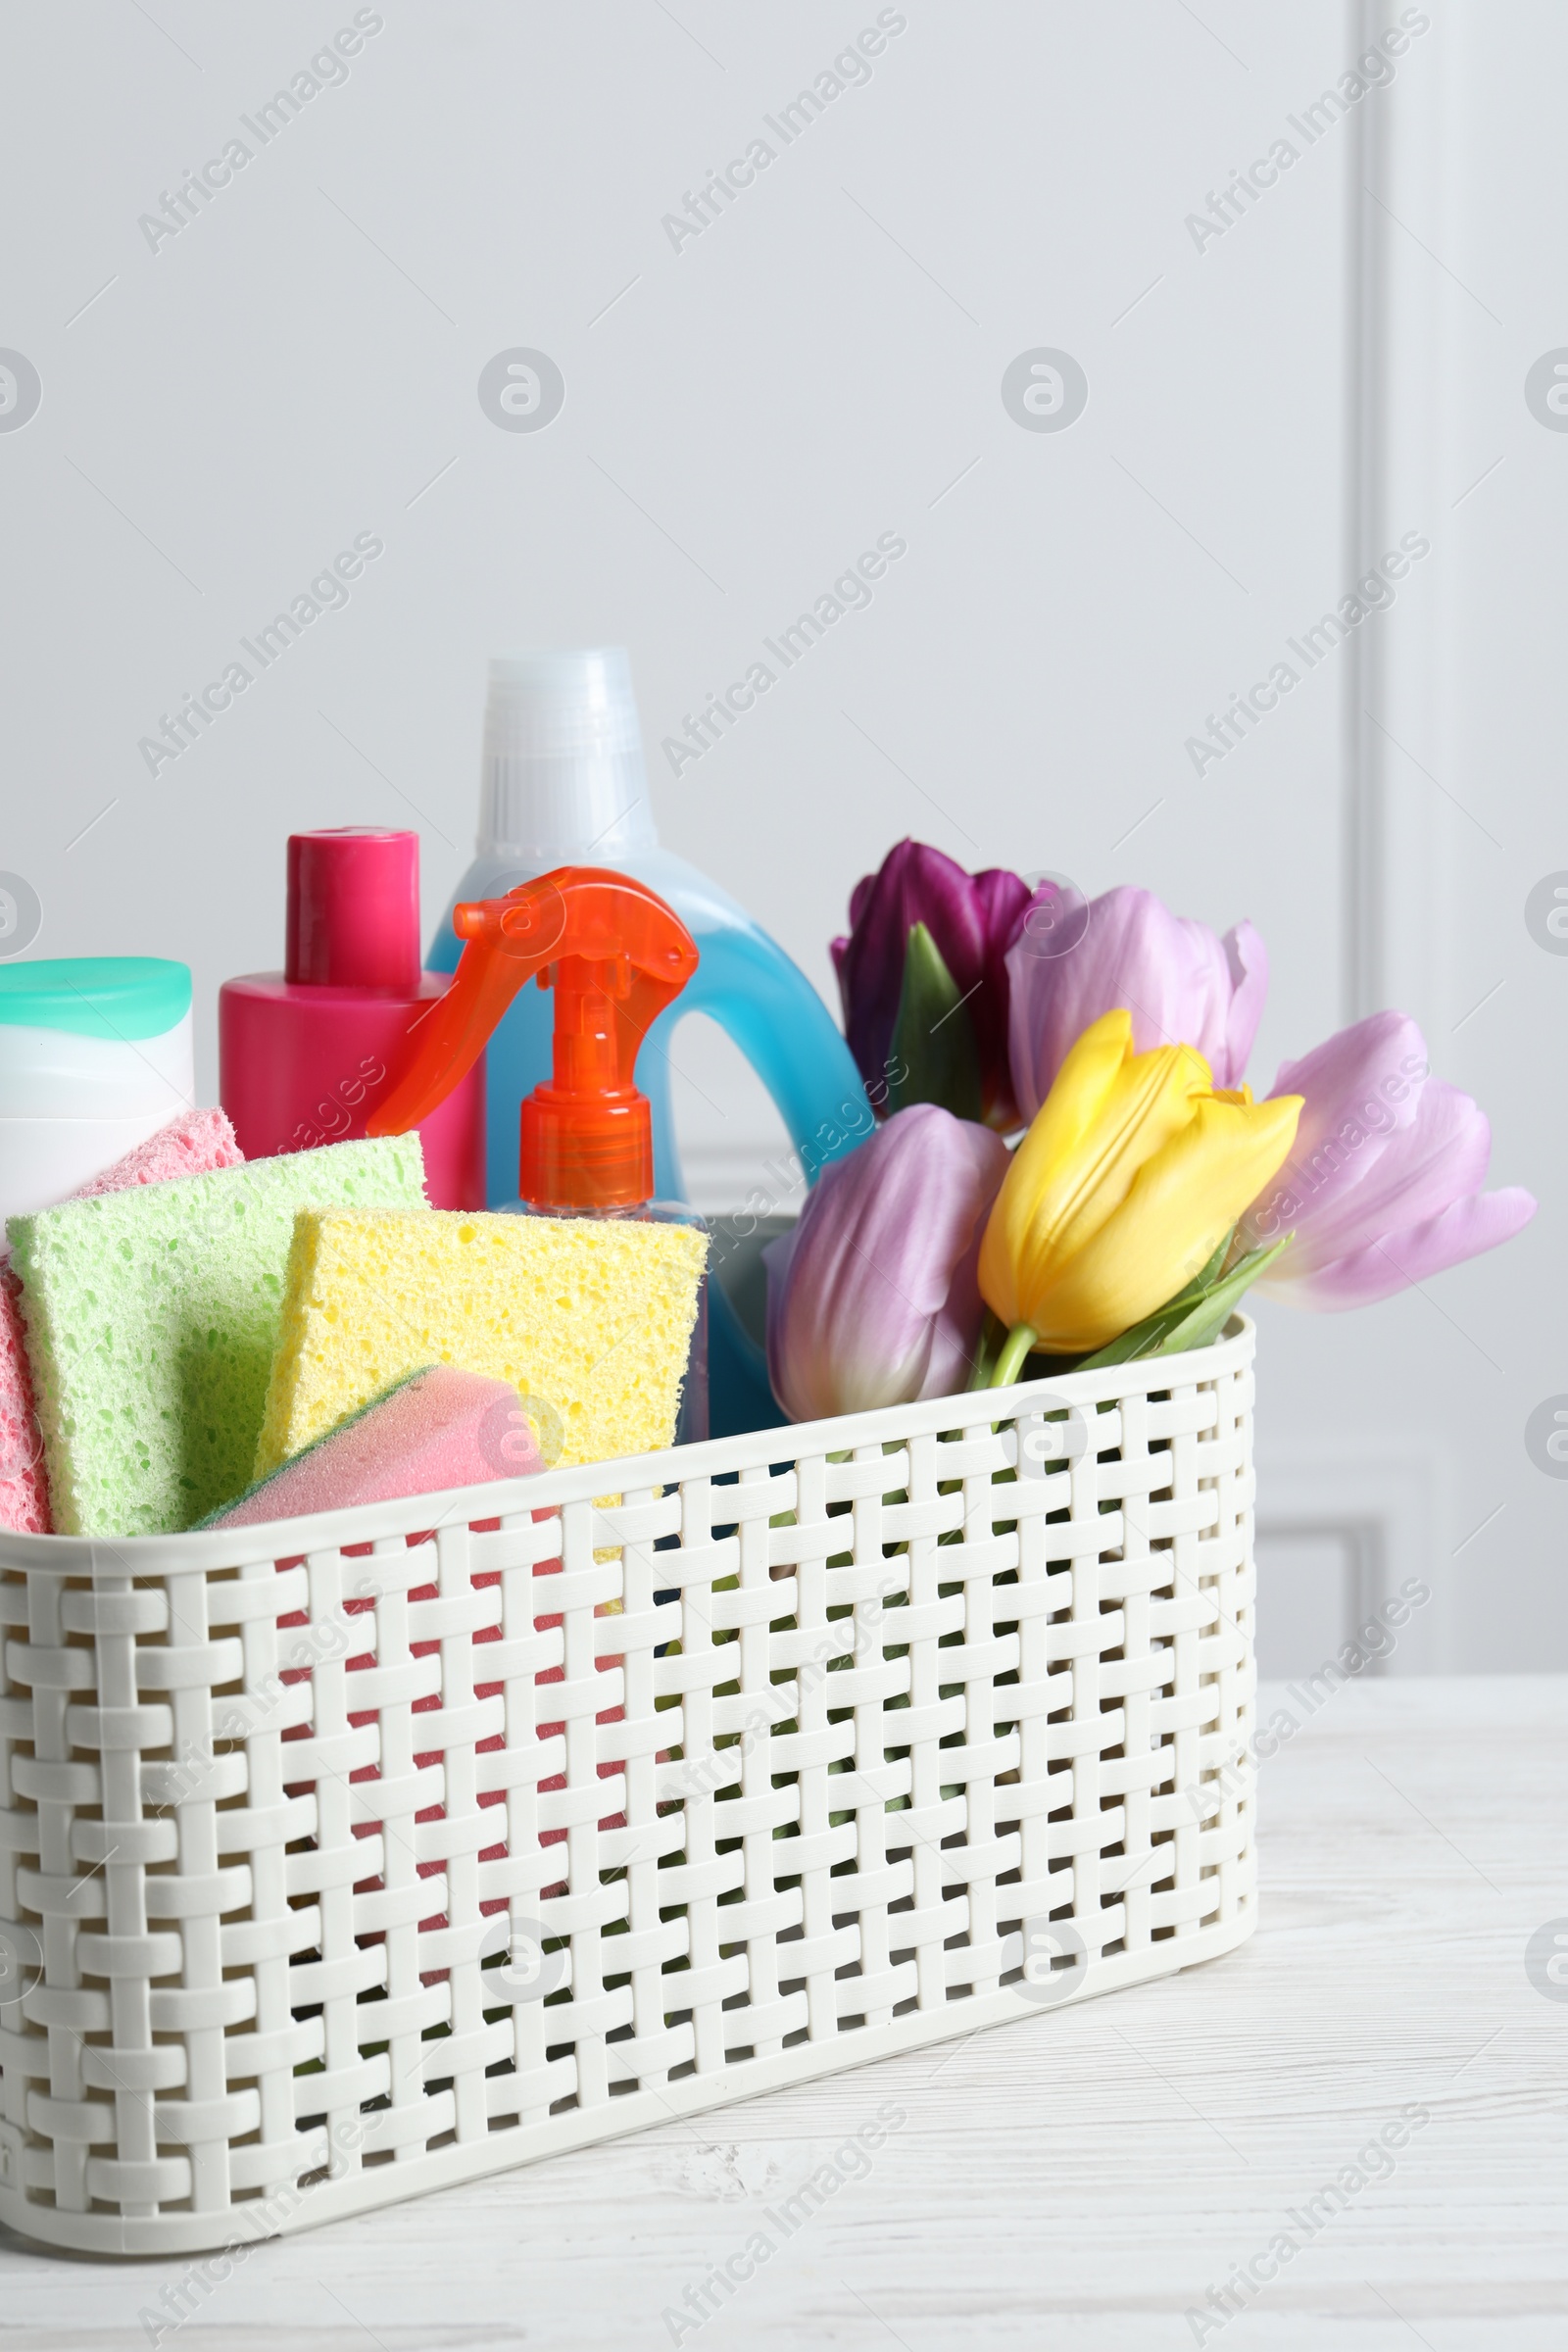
x=306 y=1055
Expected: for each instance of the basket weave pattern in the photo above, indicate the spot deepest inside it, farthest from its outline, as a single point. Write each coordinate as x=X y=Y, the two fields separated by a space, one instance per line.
x=781 y=1749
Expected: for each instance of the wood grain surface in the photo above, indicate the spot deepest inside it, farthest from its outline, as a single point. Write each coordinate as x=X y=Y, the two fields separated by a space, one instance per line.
x=1082 y=2179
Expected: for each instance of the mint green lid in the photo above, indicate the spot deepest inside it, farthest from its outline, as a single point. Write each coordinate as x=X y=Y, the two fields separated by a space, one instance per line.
x=96 y=995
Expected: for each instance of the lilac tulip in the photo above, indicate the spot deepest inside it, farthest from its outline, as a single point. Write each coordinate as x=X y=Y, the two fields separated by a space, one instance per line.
x=972 y=918
x=1183 y=986
x=1383 y=1187
x=874 y=1300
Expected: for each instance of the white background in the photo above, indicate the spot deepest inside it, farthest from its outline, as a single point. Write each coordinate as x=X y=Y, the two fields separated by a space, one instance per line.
x=742 y=417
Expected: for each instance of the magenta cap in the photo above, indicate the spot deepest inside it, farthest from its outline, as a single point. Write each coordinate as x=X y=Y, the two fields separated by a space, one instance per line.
x=354 y=908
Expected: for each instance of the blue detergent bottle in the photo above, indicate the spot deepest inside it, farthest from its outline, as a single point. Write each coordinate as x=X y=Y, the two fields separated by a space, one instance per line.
x=563 y=783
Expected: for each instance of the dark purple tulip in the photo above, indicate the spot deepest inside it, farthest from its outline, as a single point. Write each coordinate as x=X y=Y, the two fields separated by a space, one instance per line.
x=972 y=918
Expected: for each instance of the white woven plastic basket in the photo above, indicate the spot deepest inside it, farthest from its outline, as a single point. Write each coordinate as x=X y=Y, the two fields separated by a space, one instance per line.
x=344 y=1859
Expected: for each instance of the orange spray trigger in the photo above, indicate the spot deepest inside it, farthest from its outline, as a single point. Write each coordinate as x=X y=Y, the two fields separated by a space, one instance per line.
x=616 y=955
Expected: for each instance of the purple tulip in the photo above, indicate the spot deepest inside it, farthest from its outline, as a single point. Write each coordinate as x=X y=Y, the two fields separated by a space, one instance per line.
x=874 y=1298
x=972 y=918
x=1383 y=1187
x=1181 y=983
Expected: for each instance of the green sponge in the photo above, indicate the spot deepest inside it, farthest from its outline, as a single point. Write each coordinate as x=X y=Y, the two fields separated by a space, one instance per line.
x=151 y=1320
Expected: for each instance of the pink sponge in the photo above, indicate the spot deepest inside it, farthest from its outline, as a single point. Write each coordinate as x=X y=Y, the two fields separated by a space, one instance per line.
x=192 y=1144
x=438 y=1428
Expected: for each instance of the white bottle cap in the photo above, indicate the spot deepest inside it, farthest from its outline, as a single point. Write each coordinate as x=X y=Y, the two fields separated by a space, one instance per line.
x=562 y=776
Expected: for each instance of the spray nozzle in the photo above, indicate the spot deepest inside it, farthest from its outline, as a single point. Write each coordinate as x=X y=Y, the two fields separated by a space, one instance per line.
x=616 y=955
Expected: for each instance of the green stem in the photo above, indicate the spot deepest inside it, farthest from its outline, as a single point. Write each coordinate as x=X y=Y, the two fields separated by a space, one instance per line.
x=1009 y=1363
x=991 y=1334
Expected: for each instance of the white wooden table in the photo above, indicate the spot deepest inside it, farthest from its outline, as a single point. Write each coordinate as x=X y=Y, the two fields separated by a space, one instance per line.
x=1084 y=2178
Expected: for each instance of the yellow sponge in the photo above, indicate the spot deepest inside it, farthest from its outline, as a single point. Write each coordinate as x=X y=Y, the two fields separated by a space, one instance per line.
x=592 y=1318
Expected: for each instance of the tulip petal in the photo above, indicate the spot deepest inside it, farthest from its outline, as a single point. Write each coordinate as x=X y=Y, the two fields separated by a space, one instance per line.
x=1149 y=1111
x=1246 y=960
x=956 y=1333
x=1021 y=1237
x=1179 y=982
x=1369 y=1075
x=970 y=919
x=1440 y=1158
x=866 y=1301
x=1029 y=1049
x=1360 y=1090
x=1384 y=1186
x=1168 y=1223
x=1001 y=898
x=1462 y=1229
x=1111 y=1117
x=883 y=908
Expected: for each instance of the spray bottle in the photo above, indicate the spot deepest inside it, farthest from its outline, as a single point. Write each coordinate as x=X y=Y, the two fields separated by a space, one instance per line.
x=563 y=783
x=615 y=957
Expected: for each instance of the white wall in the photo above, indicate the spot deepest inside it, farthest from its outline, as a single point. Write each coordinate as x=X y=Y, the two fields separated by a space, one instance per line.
x=1457 y=815
x=742 y=417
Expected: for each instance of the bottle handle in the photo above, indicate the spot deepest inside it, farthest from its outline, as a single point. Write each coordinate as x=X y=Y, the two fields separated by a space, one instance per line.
x=767 y=1007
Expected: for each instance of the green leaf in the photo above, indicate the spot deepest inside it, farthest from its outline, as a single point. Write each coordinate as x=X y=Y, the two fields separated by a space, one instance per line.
x=932 y=1038
x=1193 y=1316
x=1143 y=1338
x=1204 y=1281
x=1205 y=1321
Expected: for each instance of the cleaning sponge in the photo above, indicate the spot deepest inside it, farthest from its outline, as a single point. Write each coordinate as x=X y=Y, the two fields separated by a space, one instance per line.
x=589 y=1317
x=439 y=1428
x=192 y=1144
x=151 y=1320
x=196 y=1143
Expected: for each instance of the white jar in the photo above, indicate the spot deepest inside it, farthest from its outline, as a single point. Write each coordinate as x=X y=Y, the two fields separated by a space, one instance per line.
x=95 y=1057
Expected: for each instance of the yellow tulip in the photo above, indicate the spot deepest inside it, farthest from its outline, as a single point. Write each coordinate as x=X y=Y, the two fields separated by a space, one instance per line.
x=1129 y=1179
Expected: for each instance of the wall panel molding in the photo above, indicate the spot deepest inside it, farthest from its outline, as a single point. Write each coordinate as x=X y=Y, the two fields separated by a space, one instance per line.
x=1389 y=1505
